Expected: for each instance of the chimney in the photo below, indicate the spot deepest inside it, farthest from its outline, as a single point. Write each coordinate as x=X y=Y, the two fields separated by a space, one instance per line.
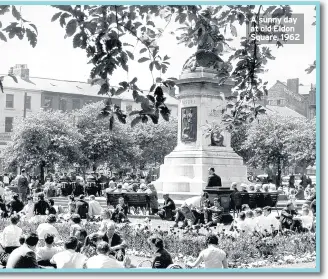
x=22 y=71
x=293 y=84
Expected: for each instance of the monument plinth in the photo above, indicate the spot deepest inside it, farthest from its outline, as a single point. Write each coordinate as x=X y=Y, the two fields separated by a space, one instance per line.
x=202 y=101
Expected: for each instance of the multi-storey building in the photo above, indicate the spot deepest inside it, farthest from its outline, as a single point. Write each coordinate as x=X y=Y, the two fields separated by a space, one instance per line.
x=294 y=96
x=45 y=93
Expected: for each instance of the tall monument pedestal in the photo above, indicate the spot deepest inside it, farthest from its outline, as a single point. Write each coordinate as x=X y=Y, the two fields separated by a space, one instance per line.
x=185 y=170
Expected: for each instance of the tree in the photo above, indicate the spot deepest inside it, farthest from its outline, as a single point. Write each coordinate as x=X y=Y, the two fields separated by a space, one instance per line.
x=272 y=141
x=301 y=144
x=42 y=140
x=155 y=141
x=102 y=140
x=105 y=33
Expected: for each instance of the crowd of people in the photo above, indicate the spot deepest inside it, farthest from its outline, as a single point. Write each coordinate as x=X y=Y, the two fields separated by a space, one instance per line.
x=106 y=248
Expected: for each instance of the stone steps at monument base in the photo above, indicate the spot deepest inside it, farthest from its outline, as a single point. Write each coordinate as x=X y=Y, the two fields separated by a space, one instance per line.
x=62 y=201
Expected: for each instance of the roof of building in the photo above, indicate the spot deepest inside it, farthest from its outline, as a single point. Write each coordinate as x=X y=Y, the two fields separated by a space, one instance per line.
x=303 y=89
x=68 y=87
x=284 y=111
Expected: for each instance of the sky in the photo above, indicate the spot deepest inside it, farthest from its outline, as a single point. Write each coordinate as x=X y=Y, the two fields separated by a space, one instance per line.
x=54 y=57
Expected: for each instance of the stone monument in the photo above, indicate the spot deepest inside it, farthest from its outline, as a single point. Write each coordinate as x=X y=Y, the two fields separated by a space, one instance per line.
x=202 y=100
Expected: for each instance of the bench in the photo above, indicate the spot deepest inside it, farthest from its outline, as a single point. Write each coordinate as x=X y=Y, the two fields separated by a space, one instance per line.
x=131 y=199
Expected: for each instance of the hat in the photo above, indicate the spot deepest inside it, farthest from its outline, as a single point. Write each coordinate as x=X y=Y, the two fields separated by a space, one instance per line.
x=81 y=197
x=143 y=186
x=15 y=195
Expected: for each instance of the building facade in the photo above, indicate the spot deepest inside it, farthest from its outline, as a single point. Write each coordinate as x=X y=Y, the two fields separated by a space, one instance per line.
x=294 y=96
x=30 y=94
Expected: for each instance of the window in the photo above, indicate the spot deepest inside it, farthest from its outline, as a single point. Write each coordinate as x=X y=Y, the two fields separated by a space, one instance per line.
x=9 y=101
x=128 y=108
x=9 y=124
x=47 y=102
x=62 y=104
x=76 y=104
x=28 y=102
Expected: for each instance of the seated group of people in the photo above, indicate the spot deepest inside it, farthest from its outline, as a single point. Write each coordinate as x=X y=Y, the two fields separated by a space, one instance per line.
x=264 y=222
x=15 y=205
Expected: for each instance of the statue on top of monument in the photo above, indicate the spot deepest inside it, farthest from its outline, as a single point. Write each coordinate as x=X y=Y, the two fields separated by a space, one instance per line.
x=210 y=46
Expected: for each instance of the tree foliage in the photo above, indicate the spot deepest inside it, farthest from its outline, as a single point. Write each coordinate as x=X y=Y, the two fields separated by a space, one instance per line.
x=44 y=138
x=102 y=140
x=279 y=141
x=105 y=33
x=155 y=141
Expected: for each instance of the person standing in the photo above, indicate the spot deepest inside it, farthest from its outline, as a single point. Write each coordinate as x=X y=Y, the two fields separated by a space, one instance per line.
x=292 y=181
x=213 y=180
x=22 y=184
x=153 y=198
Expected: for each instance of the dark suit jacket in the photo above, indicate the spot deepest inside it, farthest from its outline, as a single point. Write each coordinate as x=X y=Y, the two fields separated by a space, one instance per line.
x=214 y=181
x=22 y=183
x=163 y=258
x=22 y=257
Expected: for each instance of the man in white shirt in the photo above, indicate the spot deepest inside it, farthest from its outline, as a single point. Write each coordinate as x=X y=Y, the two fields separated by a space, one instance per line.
x=48 y=228
x=11 y=235
x=306 y=219
x=45 y=254
x=102 y=259
x=95 y=208
x=270 y=224
x=69 y=258
x=213 y=256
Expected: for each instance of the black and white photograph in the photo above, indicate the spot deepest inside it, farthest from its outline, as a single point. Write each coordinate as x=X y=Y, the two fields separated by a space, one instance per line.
x=159 y=137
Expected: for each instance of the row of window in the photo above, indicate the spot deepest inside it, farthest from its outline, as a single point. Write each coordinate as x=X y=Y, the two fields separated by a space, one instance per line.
x=76 y=103
x=281 y=102
x=10 y=101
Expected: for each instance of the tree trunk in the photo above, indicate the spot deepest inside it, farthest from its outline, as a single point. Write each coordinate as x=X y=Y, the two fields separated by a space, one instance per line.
x=279 y=172
x=42 y=172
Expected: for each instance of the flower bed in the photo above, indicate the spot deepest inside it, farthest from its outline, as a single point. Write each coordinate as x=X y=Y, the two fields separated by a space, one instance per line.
x=242 y=251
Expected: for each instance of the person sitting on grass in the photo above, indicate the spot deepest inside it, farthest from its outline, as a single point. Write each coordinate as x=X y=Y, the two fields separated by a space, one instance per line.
x=166 y=212
x=52 y=209
x=185 y=215
x=15 y=205
x=41 y=207
x=44 y=254
x=102 y=259
x=120 y=214
x=24 y=256
x=95 y=208
x=48 y=228
x=270 y=224
x=213 y=215
x=28 y=209
x=287 y=218
x=162 y=257
x=69 y=258
x=250 y=221
x=75 y=224
x=116 y=243
x=81 y=235
x=212 y=256
x=240 y=224
x=11 y=235
x=305 y=219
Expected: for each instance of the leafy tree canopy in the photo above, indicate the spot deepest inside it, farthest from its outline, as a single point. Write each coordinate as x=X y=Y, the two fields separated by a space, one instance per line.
x=105 y=32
